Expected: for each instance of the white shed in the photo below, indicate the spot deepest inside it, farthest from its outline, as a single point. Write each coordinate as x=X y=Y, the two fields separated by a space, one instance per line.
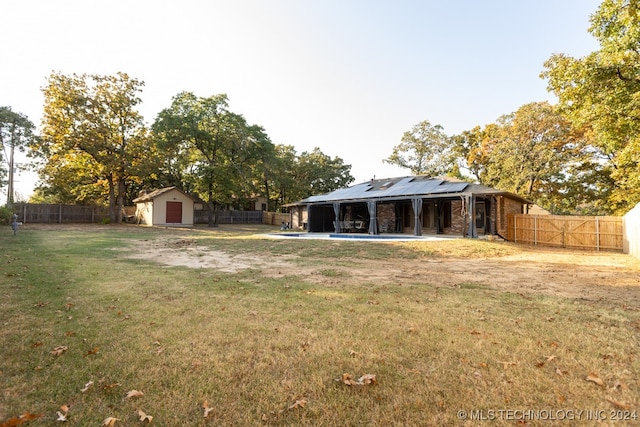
x=165 y=207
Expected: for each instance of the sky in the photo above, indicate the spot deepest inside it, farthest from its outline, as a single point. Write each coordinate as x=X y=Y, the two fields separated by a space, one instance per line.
x=347 y=76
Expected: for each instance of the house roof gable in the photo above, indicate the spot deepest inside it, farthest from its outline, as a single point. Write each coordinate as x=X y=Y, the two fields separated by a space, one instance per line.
x=154 y=194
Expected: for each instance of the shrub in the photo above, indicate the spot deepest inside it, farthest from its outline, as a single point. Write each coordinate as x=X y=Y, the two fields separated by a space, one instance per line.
x=5 y=215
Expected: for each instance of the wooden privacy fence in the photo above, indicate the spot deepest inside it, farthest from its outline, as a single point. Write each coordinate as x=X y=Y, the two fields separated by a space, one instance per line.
x=579 y=232
x=275 y=218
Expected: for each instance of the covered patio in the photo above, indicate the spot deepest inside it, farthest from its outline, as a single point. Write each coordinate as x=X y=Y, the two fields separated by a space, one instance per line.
x=414 y=205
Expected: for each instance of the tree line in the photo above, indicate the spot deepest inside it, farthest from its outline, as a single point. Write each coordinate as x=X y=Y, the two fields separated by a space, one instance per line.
x=580 y=156
x=94 y=148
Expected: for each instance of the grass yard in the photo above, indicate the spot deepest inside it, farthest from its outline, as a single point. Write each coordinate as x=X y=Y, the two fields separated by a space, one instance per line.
x=227 y=328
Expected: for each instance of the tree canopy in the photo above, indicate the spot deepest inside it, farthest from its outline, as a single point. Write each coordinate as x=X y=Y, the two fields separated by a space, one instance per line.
x=213 y=152
x=601 y=92
x=93 y=138
x=16 y=132
x=425 y=150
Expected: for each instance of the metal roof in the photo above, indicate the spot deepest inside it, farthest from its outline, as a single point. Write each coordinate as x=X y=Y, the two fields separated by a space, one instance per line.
x=394 y=187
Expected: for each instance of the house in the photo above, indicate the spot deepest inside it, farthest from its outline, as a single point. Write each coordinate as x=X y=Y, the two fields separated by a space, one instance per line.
x=165 y=207
x=410 y=205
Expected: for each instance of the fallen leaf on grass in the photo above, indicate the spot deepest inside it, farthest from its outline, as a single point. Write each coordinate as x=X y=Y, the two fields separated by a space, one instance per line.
x=207 y=409
x=366 y=379
x=134 y=393
x=618 y=405
x=62 y=414
x=58 y=350
x=16 y=421
x=144 y=417
x=110 y=386
x=110 y=421
x=92 y=352
x=298 y=404
x=594 y=378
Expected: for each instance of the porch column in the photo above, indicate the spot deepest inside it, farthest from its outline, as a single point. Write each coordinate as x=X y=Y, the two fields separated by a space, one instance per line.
x=471 y=215
x=336 y=211
x=417 y=210
x=373 y=220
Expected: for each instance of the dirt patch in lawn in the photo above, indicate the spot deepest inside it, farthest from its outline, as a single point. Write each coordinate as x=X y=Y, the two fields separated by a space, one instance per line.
x=186 y=253
x=582 y=275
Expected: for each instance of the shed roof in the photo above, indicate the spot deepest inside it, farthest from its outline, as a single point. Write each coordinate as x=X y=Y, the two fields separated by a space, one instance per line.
x=150 y=196
x=408 y=186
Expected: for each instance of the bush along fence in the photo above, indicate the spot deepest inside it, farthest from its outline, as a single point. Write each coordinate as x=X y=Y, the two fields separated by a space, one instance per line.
x=600 y=233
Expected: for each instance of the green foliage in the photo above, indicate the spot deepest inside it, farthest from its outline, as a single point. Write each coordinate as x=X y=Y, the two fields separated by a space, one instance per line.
x=5 y=215
x=600 y=91
x=94 y=140
x=16 y=132
x=212 y=150
x=215 y=153
x=425 y=150
x=536 y=153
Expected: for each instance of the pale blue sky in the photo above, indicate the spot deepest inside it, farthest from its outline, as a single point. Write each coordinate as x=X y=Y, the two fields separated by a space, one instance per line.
x=347 y=76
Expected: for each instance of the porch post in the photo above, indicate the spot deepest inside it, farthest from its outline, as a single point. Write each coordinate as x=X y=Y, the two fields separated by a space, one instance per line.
x=336 y=211
x=471 y=214
x=417 y=210
x=373 y=220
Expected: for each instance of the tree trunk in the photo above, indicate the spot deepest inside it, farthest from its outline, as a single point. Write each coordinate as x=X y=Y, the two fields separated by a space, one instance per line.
x=212 y=217
x=266 y=193
x=112 y=200
x=120 y=201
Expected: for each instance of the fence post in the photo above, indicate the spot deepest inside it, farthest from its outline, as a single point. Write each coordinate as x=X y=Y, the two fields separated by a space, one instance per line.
x=59 y=214
x=535 y=230
x=515 y=228
x=597 y=235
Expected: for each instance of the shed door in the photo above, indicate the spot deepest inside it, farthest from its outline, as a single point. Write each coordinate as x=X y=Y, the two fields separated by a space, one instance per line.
x=174 y=212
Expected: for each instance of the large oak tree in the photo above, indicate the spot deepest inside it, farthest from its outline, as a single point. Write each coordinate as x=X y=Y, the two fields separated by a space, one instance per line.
x=93 y=138
x=213 y=151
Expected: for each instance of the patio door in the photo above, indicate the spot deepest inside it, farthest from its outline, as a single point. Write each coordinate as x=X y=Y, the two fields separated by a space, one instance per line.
x=174 y=212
